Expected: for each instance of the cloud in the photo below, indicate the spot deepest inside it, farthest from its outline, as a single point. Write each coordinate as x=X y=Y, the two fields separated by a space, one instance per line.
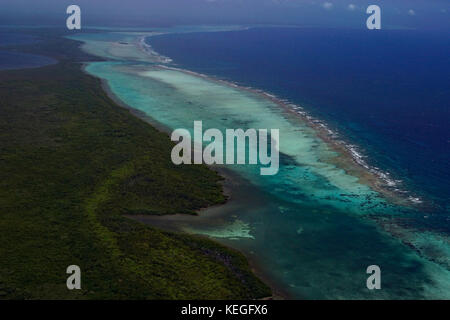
x=327 y=5
x=351 y=7
x=411 y=12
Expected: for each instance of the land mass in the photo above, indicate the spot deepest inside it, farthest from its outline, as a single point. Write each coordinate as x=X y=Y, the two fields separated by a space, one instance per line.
x=74 y=163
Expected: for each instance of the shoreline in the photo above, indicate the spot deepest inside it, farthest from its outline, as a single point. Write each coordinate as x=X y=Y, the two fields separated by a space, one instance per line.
x=344 y=160
x=347 y=158
x=370 y=176
x=211 y=212
x=218 y=215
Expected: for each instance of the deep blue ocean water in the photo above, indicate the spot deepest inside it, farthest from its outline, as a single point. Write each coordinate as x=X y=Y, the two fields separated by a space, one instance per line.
x=17 y=60
x=386 y=91
x=9 y=38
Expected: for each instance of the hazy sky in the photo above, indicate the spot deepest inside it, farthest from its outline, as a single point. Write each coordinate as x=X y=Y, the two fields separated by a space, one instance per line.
x=331 y=13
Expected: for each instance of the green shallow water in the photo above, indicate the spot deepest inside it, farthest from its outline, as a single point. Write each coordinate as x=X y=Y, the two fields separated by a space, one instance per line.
x=307 y=228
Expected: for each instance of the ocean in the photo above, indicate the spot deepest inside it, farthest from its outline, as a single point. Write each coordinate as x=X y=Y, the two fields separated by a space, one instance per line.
x=388 y=92
x=314 y=228
x=18 y=60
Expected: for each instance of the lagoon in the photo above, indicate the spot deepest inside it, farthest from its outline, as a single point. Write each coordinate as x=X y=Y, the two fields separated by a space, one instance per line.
x=314 y=228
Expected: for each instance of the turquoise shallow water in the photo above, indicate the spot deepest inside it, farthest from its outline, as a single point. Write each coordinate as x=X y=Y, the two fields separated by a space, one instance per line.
x=312 y=229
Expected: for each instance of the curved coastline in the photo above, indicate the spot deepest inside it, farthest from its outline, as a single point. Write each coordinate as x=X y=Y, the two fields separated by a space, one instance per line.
x=205 y=215
x=348 y=157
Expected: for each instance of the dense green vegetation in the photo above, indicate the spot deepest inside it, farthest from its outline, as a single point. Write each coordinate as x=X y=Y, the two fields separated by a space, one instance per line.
x=72 y=164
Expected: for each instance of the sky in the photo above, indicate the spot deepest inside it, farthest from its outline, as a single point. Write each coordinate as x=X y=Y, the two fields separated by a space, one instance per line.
x=419 y=14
